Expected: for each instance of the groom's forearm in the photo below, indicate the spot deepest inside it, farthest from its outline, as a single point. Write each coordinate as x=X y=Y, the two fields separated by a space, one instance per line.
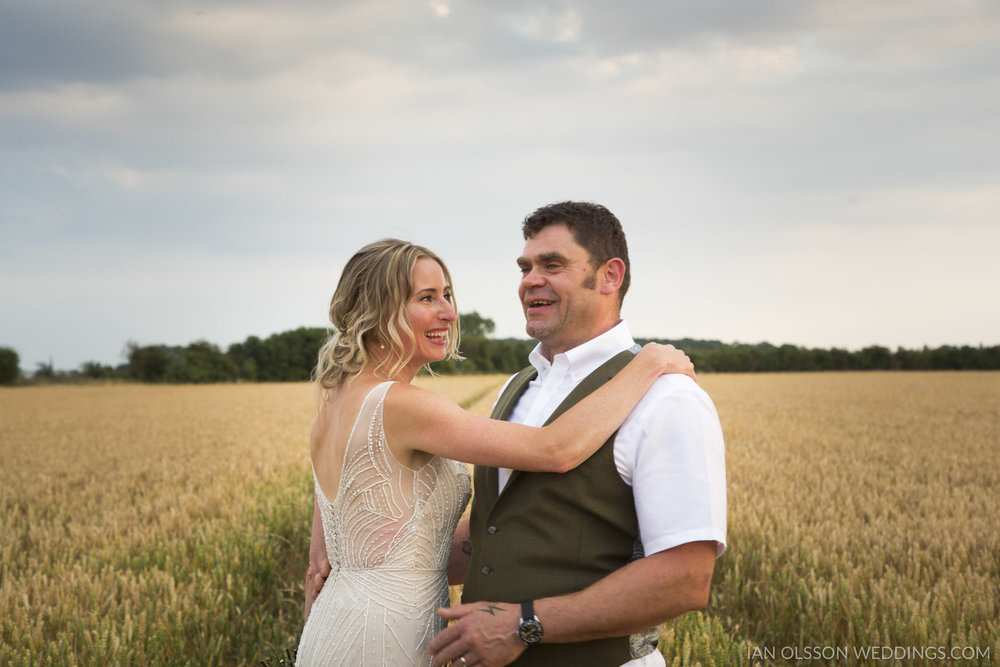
x=643 y=594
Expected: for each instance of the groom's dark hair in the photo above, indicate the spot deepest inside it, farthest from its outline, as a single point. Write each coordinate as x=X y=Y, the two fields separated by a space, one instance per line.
x=594 y=228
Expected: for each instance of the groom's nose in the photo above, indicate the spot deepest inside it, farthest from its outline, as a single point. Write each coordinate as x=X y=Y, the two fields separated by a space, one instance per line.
x=532 y=278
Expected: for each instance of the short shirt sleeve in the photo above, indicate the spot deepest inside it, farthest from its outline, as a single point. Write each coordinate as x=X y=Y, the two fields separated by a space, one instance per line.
x=671 y=452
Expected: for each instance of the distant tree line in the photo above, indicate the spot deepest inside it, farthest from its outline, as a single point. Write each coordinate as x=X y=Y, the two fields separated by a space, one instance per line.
x=714 y=356
x=284 y=357
x=10 y=366
x=291 y=355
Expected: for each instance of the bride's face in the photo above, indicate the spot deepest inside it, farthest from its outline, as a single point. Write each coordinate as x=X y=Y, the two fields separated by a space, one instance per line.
x=430 y=312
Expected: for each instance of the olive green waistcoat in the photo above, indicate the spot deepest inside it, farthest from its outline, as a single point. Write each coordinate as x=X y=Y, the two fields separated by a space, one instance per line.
x=551 y=533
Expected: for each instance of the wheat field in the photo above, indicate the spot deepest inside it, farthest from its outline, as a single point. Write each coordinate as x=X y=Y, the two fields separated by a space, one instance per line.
x=169 y=524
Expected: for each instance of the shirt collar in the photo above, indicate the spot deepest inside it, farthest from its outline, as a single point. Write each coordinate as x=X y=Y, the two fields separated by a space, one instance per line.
x=585 y=358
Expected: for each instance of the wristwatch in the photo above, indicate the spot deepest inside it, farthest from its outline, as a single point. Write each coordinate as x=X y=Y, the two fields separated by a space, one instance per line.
x=530 y=628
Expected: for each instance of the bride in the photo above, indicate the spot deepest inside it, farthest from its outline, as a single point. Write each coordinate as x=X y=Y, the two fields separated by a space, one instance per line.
x=389 y=488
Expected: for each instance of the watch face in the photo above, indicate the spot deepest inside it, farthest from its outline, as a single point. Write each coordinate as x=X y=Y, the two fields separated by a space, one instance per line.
x=530 y=631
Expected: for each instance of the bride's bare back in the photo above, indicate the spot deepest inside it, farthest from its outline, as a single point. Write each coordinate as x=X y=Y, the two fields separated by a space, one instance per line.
x=388 y=532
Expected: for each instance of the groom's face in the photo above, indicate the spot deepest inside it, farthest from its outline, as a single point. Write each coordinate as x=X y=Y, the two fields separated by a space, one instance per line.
x=558 y=296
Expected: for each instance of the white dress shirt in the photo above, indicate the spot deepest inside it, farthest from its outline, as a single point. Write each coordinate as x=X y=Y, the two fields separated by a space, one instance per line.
x=669 y=450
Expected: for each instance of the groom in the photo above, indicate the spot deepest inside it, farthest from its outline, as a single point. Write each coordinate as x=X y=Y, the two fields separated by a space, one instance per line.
x=558 y=574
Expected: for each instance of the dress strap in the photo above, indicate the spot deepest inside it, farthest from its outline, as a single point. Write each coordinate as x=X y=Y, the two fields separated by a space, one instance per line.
x=378 y=393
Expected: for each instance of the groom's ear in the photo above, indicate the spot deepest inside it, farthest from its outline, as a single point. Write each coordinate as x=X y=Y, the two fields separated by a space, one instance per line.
x=611 y=275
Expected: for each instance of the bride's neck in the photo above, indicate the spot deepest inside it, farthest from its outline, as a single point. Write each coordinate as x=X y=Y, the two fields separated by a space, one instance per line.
x=373 y=373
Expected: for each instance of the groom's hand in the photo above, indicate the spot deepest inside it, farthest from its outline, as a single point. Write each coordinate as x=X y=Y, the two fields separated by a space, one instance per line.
x=484 y=633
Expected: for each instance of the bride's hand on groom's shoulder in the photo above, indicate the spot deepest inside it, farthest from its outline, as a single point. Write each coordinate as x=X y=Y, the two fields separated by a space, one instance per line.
x=668 y=359
x=484 y=633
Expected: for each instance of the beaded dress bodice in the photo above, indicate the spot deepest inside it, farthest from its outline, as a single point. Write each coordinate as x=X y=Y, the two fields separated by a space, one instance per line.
x=388 y=533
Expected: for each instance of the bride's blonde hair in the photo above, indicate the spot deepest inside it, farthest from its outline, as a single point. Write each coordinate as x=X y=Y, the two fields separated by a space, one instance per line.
x=368 y=307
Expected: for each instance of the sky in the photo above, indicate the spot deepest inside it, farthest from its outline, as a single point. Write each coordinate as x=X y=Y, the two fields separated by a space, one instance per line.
x=819 y=173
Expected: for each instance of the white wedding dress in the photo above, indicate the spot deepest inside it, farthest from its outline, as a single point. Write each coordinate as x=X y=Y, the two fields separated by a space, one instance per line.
x=388 y=535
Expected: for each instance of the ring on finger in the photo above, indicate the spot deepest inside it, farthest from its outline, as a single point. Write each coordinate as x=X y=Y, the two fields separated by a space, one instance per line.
x=463 y=660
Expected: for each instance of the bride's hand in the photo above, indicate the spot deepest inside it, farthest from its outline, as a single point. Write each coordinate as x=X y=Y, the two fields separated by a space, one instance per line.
x=667 y=358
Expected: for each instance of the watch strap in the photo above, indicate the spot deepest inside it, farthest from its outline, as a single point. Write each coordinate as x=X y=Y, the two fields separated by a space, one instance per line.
x=530 y=628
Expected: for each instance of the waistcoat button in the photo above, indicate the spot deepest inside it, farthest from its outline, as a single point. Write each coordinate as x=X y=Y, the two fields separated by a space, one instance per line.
x=492 y=530
x=486 y=569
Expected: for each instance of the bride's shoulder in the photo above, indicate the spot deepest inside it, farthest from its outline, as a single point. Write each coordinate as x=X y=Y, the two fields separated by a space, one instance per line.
x=409 y=401
x=403 y=395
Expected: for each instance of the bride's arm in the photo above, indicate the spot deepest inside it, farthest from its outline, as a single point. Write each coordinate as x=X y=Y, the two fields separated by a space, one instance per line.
x=416 y=419
x=319 y=566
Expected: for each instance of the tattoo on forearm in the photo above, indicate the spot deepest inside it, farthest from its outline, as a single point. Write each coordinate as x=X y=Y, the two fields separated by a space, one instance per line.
x=467 y=548
x=492 y=610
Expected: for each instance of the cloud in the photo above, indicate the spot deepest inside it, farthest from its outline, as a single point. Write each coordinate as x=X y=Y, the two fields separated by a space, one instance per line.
x=440 y=8
x=732 y=134
x=547 y=25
